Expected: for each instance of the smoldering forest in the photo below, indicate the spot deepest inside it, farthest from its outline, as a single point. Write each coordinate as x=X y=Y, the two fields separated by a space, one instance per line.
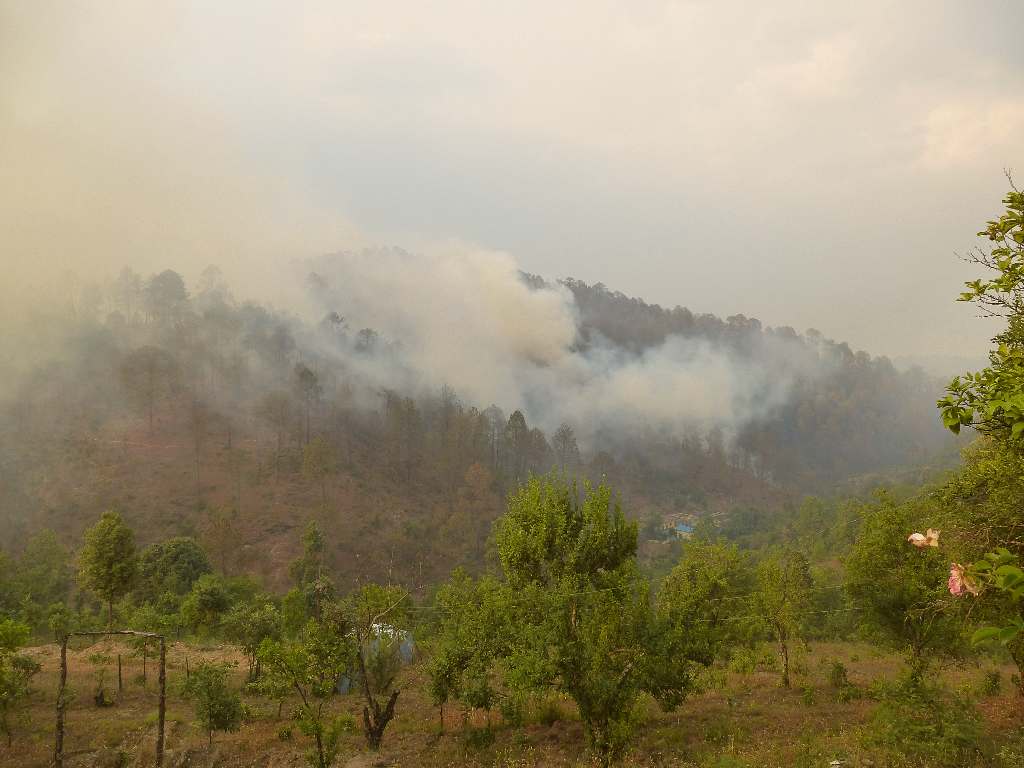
x=401 y=395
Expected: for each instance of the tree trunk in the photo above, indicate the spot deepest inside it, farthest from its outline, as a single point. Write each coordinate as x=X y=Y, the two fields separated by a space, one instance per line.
x=120 y=681
x=784 y=647
x=374 y=723
x=161 y=715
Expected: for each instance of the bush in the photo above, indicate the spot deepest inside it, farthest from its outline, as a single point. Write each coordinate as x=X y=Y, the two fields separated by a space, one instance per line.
x=927 y=723
x=547 y=710
x=218 y=707
x=512 y=709
x=807 y=695
x=991 y=683
x=1011 y=755
x=837 y=676
x=478 y=738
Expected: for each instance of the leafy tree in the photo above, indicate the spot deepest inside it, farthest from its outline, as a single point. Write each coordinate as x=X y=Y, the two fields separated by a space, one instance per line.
x=248 y=625
x=222 y=534
x=567 y=453
x=166 y=296
x=318 y=463
x=149 y=374
x=276 y=409
x=701 y=598
x=309 y=567
x=308 y=390
x=206 y=603
x=308 y=571
x=516 y=446
x=377 y=615
x=900 y=589
x=171 y=566
x=311 y=666
x=983 y=499
x=16 y=673
x=217 y=705
x=107 y=561
x=60 y=620
x=44 y=574
x=583 y=623
x=992 y=400
x=101 y=666
x=783 y=599
x=473 y=633
x=145 y=618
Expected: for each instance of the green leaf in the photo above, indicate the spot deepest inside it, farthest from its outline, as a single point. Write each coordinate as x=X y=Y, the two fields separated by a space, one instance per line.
x=984 y=634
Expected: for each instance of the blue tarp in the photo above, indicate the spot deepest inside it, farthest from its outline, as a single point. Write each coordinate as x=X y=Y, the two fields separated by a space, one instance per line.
x=406 y=651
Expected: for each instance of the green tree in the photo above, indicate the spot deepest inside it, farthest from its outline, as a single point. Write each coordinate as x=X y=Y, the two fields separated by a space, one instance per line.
x=44 y=573
x=583 y=621
x=983 y=499
x=311 y=666
x=217 y=705
x=16 y=673
x=473 y=633
x=308 y=571
x=900 y=589
x=107 y=561
x=248 y=625
x=308 y=390
x=145 y=618
x=377 y=615
x=205 y=605
x=701 y=598
x=318 y=463
x=992 y=399
x=171 y=566
x=783 y=600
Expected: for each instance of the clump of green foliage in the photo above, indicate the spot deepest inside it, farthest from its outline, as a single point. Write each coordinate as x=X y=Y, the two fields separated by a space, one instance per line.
x=311 y=667
x=16 y=673
x=929 y=724
x=217 y=705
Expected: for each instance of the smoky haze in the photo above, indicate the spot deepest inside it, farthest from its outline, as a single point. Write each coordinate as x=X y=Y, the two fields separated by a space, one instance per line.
x=810 y=166
x=468 y=319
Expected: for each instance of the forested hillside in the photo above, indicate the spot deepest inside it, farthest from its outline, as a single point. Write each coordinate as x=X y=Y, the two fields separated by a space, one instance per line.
x=197 y=413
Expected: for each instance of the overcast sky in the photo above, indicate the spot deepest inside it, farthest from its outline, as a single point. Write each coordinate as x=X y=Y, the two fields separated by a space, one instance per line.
x=810 y=164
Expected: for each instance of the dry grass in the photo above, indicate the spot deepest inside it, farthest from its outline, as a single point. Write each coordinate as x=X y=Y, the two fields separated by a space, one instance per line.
x=741 y=720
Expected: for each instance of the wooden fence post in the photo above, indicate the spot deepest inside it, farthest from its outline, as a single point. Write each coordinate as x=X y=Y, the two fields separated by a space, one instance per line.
x=58 y=747
x=163 y=703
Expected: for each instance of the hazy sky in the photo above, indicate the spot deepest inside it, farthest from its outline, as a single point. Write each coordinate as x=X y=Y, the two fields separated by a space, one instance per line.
x=810 y=164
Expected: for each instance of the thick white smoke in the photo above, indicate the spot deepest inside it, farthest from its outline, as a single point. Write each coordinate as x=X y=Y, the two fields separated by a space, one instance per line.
x=468 y=319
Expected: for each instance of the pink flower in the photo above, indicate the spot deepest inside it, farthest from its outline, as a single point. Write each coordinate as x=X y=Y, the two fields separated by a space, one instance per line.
x=922 y=540
x=960 y=582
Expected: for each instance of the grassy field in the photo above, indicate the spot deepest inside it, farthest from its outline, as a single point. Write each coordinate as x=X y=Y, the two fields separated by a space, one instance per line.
x=740 y=719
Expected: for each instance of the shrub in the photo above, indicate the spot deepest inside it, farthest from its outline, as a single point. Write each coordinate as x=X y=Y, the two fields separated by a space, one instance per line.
x=991 y=683
x=218 y=707
x=927 y=723
x=478 y=738
x=547 y=711
x=837 y=676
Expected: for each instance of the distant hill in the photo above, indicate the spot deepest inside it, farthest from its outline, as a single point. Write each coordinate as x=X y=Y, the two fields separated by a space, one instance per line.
x=197 y=414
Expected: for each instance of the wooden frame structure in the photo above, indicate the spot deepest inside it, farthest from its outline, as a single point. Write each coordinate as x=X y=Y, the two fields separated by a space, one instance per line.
x=58 y=746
